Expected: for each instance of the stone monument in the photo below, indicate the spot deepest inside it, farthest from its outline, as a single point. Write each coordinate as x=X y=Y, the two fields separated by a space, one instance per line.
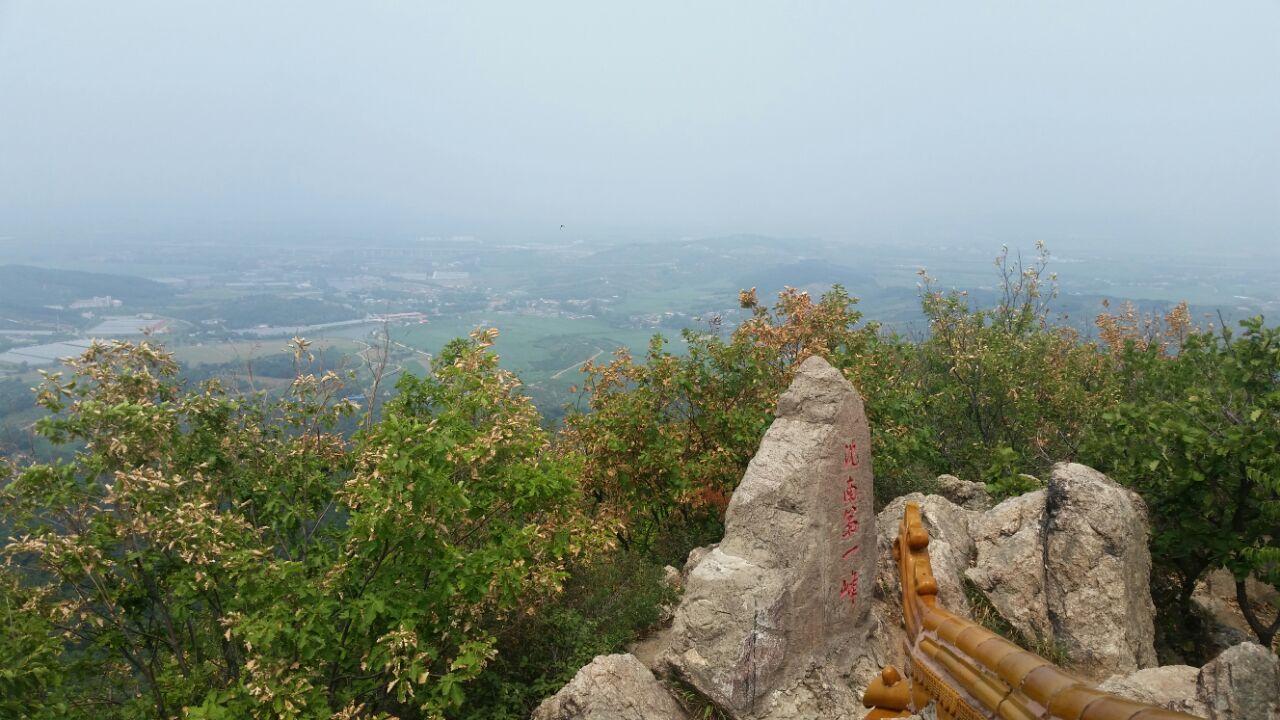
x=788 y=589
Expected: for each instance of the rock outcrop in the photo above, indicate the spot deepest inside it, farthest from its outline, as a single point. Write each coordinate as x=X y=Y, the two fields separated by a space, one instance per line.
x=965 y=493
x=1098 y=571
x=1216 y=596
x=1242 y=683
x=1069 y=565
x=1010 y=562
x=798 y=607
x=1172 y=687
x=611 y=687
x=778 y=613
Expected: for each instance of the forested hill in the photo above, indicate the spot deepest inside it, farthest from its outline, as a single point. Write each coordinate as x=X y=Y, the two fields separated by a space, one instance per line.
x=22 y=285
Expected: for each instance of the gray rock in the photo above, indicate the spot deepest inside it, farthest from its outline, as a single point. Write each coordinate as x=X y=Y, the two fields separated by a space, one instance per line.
x=611 y=687
x=1010 y=563
x=789 y=587
x=1172 y=687
x=967 y=494
x=1070 y=565
x=1243 y=683
x=672 y=578
x=695 y=556
x=1216 y=596
x=1098 y=570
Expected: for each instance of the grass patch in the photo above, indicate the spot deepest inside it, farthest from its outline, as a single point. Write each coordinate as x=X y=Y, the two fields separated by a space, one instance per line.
x=698 y=706
x=986 y=615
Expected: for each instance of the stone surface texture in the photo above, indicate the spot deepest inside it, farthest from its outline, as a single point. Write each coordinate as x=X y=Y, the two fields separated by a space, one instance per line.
x=611 y=687
x=965 y=493
x=1070 y=565
x=1098 y=569
x=789 y=588
x=1010 y=564
x=1242 y=683
x=1172 y=687
x=1216 y=596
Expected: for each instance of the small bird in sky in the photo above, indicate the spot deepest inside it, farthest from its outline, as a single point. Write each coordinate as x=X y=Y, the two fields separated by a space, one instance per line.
x=562 y=226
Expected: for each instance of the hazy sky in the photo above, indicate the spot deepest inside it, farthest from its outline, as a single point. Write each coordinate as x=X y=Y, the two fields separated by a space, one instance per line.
x=1115 y=121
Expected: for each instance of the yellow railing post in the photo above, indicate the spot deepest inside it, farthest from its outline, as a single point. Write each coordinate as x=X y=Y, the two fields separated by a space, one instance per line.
x=971 y=673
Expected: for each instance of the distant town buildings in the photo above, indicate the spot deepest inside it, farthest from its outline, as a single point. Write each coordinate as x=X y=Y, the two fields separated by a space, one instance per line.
x=106 y=301
x=128 y=326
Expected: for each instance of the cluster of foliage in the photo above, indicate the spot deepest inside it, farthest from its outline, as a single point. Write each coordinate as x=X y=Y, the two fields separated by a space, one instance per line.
x=665 y=440
x=229 y=557
x=1006 y=391
x=212 y=554
x=1197 y=435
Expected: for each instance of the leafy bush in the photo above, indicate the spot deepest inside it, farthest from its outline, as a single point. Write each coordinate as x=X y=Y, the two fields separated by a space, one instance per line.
x=1004 y=380
x=234 y=557
x=664 y=441
x=608 y=602
x=1196 y=436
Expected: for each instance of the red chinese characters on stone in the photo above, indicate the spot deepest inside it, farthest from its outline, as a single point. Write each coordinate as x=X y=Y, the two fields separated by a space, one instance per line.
x=849 y=588
x=849 y=528
x=850 y=522
x=851 y=454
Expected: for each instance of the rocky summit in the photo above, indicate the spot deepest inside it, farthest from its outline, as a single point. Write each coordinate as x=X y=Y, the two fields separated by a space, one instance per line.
x=796 y=610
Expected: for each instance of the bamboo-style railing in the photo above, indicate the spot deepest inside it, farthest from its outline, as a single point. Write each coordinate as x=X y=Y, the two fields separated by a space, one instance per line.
x=972 y=673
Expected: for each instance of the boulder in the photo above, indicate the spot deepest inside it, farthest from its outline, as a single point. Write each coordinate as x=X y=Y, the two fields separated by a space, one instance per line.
x=951 y=549
x=1069 y=565
x=965 y=493
x=1243 y=683
x=789 y=587
x=611 y=687
x=1009 y=566
x=1098 y=567
x=1172 y=687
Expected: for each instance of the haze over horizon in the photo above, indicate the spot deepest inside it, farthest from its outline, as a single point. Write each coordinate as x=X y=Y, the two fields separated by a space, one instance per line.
x=1135 y=126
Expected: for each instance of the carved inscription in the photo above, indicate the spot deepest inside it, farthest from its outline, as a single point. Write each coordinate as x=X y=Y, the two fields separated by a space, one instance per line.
x=849 y=533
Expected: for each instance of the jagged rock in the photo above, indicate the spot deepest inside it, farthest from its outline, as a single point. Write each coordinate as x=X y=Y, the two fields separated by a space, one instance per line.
x=1099 y=570
x=695 y=556
x=1172 y=687
x=1010 y=564
x=1243 y=683
x=611 y=687
x=1070 y=565
x=789 y=587
x=672 y=578
x=967 y=494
